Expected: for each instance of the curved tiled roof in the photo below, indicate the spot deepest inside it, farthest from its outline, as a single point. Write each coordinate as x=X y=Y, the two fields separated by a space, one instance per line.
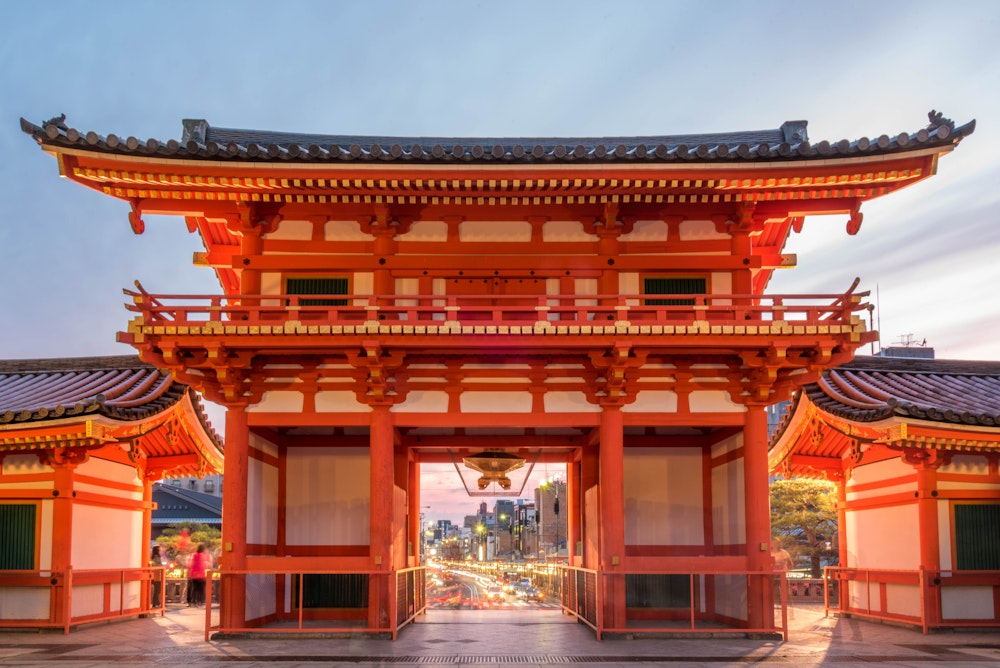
x=119 y=387
x=870 y=389
x=788 y=142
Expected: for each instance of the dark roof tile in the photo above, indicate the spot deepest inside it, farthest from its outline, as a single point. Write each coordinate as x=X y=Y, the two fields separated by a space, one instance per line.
x=788 y=142
x=869 y=389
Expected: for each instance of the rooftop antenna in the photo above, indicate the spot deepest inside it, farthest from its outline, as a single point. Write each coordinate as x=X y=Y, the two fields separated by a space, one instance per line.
x=878 y=320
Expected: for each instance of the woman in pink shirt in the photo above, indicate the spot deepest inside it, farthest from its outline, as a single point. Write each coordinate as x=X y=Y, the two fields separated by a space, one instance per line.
x=200 y=562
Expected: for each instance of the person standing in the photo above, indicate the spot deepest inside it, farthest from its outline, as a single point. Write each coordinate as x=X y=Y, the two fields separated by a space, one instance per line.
x=197 y=569
x=156 y=561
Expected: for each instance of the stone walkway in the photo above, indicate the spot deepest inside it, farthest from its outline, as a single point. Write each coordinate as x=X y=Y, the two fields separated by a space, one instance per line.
x=490 y=637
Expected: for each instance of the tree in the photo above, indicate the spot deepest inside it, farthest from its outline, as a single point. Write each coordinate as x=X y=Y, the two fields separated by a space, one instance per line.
x=804 y=519
x=171 y=542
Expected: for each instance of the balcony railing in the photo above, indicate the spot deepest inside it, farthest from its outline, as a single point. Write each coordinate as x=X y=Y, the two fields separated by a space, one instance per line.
x=297 y=613
x=63 y=599
x=928 y=599
x=675 y=603
x=732 y=313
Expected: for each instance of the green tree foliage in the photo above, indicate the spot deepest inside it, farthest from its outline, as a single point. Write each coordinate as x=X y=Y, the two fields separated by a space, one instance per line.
x=804 y=519
x=172 y=543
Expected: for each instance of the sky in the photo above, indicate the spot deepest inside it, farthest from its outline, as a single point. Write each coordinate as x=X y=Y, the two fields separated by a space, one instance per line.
x=930 y=254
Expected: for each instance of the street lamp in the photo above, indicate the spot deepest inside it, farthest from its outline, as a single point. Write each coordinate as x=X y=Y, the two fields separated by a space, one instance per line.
x=481 y=530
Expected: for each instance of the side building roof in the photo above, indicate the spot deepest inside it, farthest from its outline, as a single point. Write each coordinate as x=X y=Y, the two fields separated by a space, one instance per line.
x=951 y=405
x=90 y=402
x=175 y=504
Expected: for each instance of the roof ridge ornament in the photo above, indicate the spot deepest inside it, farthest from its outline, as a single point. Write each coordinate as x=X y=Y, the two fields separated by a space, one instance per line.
x=795 y=131
x=937 y=120
x=195 y=129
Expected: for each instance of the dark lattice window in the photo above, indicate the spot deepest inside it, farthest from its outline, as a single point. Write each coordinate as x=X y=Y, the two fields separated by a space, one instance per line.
x=673 y=286
x=333 y=590
x=318 y=286
x=977 y=536
x=17 y=536
x=657 y=591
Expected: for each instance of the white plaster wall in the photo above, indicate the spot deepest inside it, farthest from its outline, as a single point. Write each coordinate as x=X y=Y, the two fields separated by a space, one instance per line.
x=363 y=283
x=879 y=471
x=426 y=230
x=966 y=602
x=692 y=230
x=24 y=603
x=628 y=284
x=647 y=230
x=728 y=504
x=338 y=401
x=262 y=503
x=944 y=534
x=22 y=464
x=419 y=401
x=495 y=402
x=731 y=596
x=713 y=401
x=261 y=444
x=721 y=283
x=407 y=286
x=260 y=600
x=884 y=538
x=730 y=444
x=278 y=402
x=344 y=230
x=489 y=230
x=663 y=496
x=568 y=402
x=292 y=230
x=902 y=600
x=106 y=537
x=967 y=465
x=327 y=496
x=652 y=401
x=565 y=230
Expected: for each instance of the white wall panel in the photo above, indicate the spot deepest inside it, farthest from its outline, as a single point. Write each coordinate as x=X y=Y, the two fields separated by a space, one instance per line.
x=327 y=496
x=663 y=496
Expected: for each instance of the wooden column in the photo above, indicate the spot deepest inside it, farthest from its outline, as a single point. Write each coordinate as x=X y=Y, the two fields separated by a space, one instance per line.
x=612 y=547
x=842 y=589
x=234 y=517
x=415 y=528
x=590 y=526
x=251 y=246
x=760 y=596
x=926 y=464
x=63 y=464
x=147 y=531
x=574 y=503
x=381 y=486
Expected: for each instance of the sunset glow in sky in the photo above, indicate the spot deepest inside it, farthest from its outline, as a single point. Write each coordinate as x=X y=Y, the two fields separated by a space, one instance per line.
x=512 y=69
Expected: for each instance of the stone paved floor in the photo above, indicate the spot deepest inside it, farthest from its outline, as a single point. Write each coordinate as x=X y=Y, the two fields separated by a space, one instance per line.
x=487 y=638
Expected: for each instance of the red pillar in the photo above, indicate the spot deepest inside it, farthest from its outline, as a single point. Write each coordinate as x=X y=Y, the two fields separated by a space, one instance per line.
x=927 y=520
x=590 y=524
x=147 y=531
x=843 y=596
x=612 y=547
x=573 y=504
x=381 y=486
x=234 y=517
x=62 y=529
x=415 y=529
x=760 y=597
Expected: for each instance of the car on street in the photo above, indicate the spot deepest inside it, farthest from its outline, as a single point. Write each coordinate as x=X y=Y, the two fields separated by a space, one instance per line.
x=533 y=594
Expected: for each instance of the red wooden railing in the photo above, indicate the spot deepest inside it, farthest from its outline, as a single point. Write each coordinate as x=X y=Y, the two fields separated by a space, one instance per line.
x=123 y=592
x=713 y=309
